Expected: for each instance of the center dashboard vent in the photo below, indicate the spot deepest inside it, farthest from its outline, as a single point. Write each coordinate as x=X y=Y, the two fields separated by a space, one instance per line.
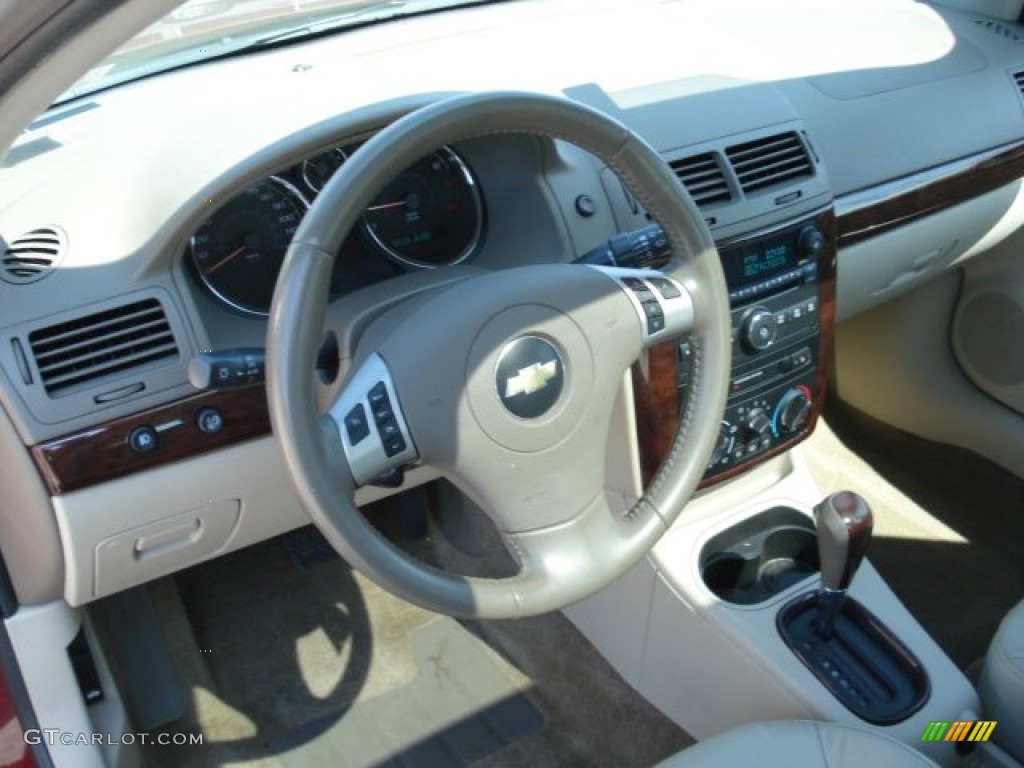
x=998 y=28
x=90 y=348
x=769 y=161
x=703 y=178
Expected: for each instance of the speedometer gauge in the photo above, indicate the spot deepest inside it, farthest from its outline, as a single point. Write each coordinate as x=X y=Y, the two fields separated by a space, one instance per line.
x=431 y=215
x=239 y=250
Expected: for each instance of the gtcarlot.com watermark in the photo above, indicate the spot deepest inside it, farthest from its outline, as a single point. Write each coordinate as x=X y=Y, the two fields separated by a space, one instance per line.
x=54 y=736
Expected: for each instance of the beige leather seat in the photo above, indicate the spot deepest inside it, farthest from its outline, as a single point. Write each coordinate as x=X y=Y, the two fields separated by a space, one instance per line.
x=799 y=744
x=1001 y=687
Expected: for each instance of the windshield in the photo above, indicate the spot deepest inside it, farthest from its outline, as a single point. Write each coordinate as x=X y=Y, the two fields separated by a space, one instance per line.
x=204 y=29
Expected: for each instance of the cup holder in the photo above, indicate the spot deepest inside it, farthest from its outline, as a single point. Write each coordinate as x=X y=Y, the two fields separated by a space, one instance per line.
x=760 y=557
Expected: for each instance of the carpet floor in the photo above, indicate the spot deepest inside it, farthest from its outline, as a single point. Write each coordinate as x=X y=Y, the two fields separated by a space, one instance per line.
x=290 y=659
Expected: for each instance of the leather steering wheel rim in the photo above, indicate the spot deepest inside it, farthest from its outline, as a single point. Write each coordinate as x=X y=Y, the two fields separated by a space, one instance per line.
x=566 y=564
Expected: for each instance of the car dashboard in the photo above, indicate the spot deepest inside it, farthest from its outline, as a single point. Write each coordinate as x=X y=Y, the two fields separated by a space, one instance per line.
x=145 y=225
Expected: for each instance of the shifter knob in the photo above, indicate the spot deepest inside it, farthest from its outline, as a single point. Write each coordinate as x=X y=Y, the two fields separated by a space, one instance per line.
x=844 y=523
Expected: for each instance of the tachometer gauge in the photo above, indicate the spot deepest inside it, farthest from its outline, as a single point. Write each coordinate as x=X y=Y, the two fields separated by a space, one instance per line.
x=239 y=250
x=317 y=170
x=431 y=215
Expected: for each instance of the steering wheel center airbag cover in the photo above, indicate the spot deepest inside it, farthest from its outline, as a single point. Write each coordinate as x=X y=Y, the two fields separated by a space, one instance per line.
x=529 y=373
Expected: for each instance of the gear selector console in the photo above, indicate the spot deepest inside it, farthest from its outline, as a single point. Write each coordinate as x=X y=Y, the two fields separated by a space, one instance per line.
x=853 y=654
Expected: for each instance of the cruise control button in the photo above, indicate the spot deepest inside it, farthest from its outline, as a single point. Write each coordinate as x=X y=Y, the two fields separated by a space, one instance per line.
x=209 y=420
x=388 y=429
x=356 y=425
x=142 y=439
x=378 y=395
x=394 y=445
x=655 y=324
x=665 y=287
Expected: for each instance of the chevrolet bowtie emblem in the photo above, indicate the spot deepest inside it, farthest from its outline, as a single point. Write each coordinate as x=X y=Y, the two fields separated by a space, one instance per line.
x=530 y=379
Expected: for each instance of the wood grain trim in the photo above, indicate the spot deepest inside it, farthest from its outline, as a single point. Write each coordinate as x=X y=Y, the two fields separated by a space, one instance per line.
x=881 y=209
x=655 y=377
x=656 y=405
x=102 y=453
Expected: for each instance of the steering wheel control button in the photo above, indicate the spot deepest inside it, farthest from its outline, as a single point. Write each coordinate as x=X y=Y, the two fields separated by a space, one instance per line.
x=530 y=377
x=356 y=425
x=666 y=287
x=143 y=439
x=394 y=445
x=665 y=308
x=374 y=434
x=209 y=420
x=655 y=316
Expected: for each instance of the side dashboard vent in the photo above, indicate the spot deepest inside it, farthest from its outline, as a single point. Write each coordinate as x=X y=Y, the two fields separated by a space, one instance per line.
x=769 y=161
x=33 y=256
x=89 y=348
x=703 y=178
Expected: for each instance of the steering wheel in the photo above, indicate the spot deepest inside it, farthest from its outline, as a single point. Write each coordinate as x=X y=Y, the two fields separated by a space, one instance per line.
x=504 y=382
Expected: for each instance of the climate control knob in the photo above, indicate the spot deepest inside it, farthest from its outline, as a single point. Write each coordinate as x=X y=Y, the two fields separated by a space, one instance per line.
x=758 y=329
x=793 y=410
x=758 y=423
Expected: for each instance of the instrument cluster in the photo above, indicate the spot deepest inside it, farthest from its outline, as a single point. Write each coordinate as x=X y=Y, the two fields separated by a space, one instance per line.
x=431 y=215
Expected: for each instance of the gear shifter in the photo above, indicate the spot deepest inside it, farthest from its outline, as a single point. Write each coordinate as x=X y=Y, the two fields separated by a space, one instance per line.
x=844 y=522
x=851 y=652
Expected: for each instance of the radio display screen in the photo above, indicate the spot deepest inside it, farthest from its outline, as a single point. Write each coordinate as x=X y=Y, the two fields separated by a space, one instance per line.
x=750 y=265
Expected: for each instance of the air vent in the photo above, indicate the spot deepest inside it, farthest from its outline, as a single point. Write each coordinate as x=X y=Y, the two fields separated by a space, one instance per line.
x=770 y=161
x=998 y=28
x=33 y=256
x=703 y=178
x=97 y=346
x=1018 y=80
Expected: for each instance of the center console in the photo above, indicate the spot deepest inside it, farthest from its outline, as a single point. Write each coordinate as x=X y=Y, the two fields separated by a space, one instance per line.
x=744 y=611
x=776 y=326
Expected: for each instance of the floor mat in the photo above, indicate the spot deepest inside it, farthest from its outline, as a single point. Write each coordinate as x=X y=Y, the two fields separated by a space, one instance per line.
x=460 y=708
x=284 y=661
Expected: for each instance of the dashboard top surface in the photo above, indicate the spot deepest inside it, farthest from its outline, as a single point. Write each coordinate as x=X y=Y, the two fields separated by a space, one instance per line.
x=879 y=90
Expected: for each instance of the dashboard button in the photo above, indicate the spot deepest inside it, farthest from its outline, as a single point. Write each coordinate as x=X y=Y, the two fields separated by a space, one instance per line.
x=209 y=420
x=143 y=439
x=586 y=206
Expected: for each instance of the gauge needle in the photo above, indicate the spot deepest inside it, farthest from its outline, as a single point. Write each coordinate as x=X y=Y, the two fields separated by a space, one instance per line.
x=237 y=252
x=382 y=206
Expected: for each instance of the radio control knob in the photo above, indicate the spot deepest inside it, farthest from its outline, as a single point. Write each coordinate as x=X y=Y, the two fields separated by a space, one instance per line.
x=758 y=423
x=759 y=329
x=810 y=241
x=794 y=409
